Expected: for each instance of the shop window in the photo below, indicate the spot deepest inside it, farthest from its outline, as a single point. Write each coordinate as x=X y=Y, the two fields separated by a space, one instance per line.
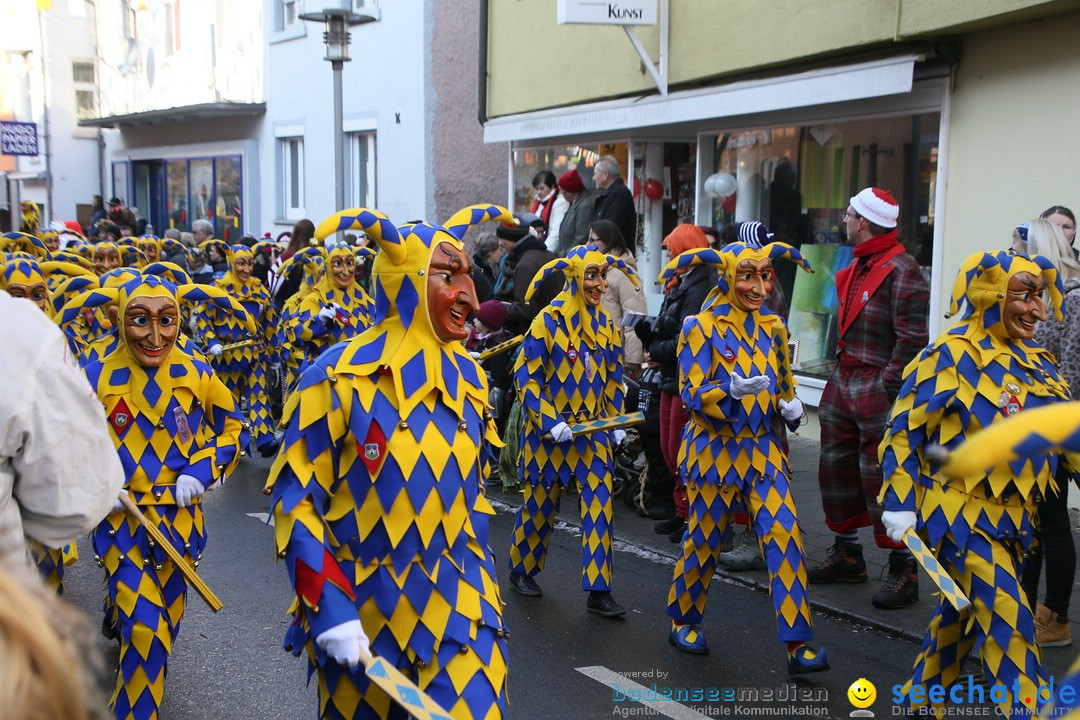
x=798 y=180
x=360 y=169
x=176 y=193
x=528 y=162
x=229 y=212
x=291 y=177
x=201 y=203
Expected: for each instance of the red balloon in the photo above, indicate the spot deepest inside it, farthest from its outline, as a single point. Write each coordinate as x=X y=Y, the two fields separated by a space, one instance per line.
x=654 y=189
x=729 y=203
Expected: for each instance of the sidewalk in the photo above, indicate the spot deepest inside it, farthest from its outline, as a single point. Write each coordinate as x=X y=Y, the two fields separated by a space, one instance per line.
x=846 y=601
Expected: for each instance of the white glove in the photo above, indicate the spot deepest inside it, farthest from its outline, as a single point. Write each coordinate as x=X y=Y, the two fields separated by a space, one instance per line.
x=118 y=506
x=188 y=487
x=474 y=355
x=791 y=411
x=343 y=642
x=897 y=522
x=618 y=436
x=327 y=314
x=216 y=349
x=741 y=387
x=561 y=433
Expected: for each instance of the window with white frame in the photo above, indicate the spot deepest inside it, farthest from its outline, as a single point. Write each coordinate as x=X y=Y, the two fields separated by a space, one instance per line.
x=172 y=27
x=366 y=7
x=360 y=169
x=287 y=14
x=82 y=81
x=291 y=179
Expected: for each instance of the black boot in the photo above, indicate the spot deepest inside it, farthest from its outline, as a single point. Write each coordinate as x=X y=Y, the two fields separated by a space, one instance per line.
x=901 y=586
x=665 y=527
x=844 y=563
x=601 y=603
x=524 y=585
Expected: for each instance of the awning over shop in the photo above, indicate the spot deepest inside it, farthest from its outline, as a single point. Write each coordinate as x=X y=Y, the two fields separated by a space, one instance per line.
x=877 y=78
x=185 y=114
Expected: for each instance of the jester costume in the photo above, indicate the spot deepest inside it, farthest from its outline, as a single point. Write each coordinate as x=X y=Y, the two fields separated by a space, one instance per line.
x=291 y=352
x=378 y=490
x=169 y=422
x=975 y=375
x=730 y=454
x=311 y=329
x=569 y=371
x=243 y=369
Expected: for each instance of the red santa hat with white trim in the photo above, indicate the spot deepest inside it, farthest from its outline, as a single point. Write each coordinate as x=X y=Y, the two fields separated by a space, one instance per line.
x=878 y=206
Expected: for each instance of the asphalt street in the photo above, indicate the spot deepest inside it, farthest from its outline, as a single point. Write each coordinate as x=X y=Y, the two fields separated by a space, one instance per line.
x=564 y=662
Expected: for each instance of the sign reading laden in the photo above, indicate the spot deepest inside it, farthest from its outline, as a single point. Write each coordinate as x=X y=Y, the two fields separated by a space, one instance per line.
x=606 y=12
x=18 y=138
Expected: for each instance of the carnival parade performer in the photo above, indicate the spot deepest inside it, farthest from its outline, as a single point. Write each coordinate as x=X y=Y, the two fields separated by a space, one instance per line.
x=378 y=488
x=244 y=369
x=291 y=351
x=981 y=371
x=336 y=308
x=569 y=370
x=177 y=430
x=735 y=377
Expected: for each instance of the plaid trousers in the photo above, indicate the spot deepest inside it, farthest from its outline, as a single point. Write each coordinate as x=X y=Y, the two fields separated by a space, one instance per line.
x=853 y=411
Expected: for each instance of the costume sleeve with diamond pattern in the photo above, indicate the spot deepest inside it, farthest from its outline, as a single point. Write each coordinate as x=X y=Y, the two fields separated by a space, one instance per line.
x=705 y=385
x=531 y=374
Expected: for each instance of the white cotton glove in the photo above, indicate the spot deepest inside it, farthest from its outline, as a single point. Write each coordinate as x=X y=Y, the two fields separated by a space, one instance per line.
x=618 y=436
x=343 y=642
x=897 y=522
x=474 y=355
x=741 y=387
x=216 y=349
x=188 y=487
x=791 y=411
x=561 y=433
x=327 y=314
x=118 y=506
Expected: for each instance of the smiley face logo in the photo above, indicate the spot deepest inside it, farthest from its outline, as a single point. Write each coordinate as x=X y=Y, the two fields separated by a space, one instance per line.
x=862 y=693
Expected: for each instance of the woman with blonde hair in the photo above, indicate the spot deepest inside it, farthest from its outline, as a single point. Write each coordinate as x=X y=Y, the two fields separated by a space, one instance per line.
x=1046 y=238
x=44 y=645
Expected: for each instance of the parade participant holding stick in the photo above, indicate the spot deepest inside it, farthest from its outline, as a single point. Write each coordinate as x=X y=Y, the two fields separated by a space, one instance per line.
x=377 y=491
x=984 y=369
x=735 y=377
x=569 y=371
x=177 y=430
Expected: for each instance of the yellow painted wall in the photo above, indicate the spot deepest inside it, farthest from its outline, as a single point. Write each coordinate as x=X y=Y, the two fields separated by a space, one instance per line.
x=1014 y=143
x=534 y=63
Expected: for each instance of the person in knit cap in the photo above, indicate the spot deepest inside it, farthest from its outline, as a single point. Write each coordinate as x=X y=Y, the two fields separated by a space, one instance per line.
x=574 y=229
x=525 y=255
x=883 y=303
x=684 y=294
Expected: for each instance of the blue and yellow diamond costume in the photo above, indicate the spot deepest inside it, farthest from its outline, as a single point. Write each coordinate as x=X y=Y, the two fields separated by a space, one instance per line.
x=378 y=494
x=175 y=419
x=243 y=369
x=311 y=332
x=731 y=456
x=569 y=369
x=980 y=526
x=291 y=351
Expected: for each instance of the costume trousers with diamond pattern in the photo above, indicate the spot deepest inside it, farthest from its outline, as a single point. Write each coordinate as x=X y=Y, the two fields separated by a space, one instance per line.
x=773 y=518
x=460 y=681
x=145 y=601
x=246 y=379
x=998 y=626
x=50 y=563
x=535 y=517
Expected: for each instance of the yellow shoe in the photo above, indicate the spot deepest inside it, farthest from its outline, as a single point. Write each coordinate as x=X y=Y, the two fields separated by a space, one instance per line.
x=1052 y=633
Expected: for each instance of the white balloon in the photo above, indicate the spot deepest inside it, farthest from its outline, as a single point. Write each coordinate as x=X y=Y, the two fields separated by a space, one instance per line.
x=725 y=184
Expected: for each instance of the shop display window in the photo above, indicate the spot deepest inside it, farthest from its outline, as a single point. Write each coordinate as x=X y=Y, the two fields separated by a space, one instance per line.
x=797 y=180
x=560 y=159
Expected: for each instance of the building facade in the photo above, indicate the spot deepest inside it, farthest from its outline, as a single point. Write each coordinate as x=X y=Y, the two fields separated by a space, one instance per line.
x=780 y=112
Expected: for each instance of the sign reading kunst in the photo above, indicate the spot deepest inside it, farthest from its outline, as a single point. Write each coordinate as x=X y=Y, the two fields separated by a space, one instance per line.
x=18 y=138
x=606 y=12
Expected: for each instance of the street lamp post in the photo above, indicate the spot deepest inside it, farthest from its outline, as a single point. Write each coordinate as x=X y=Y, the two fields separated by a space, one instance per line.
x=336 y=37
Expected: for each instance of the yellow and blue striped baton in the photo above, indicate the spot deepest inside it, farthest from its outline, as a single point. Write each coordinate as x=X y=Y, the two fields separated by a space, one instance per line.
x=501 y=348
x=609 y=423
x=401 y=689
x=930 y=564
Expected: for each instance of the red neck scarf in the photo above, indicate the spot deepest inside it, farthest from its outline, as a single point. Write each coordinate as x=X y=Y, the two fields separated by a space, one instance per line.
x=876 y=244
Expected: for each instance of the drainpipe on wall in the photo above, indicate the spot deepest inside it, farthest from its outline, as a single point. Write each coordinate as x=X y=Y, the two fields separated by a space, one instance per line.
x=481 y=76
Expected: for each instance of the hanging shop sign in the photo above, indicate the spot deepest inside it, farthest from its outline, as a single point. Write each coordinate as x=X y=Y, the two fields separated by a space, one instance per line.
x=18 y=138
x=606 y=12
